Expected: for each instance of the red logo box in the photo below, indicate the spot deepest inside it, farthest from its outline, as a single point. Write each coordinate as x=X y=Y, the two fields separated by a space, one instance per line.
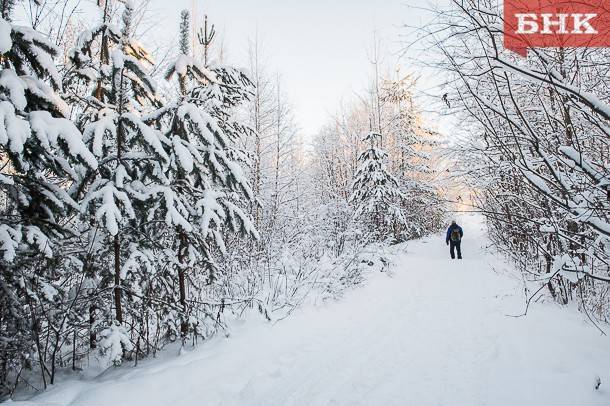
x=555 y=24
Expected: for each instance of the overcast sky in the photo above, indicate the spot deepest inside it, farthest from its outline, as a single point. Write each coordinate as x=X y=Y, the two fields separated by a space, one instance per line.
x=318 y=46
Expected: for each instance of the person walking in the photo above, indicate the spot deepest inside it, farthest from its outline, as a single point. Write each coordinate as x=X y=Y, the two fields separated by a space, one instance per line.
x=454 y=239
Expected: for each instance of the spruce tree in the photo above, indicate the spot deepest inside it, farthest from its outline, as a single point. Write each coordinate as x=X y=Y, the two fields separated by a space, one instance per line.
x=133 y=159
x=41 y=146
x=207 y=184
x=375 y=191
x=41 y=152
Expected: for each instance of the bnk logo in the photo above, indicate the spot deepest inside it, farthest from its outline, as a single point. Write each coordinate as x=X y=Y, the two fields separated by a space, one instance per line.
x=556 y=23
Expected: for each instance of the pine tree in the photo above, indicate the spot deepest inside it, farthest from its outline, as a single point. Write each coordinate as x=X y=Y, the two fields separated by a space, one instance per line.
x=206 y=180
x=41 y=146
x=375 y=191
x=41 y=152
x=133 y=156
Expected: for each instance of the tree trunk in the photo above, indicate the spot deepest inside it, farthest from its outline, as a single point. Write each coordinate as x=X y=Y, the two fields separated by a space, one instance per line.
x=92 y=336
x=117 y=279
x=184 y=327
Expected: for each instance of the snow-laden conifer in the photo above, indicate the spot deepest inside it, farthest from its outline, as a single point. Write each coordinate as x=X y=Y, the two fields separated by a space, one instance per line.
x=41 y=152
x=207 y=186
x=109 y=67
x=40 y=147
x=375 y=191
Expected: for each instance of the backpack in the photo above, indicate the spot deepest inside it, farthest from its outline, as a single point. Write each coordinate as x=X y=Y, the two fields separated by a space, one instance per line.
x=455 y=234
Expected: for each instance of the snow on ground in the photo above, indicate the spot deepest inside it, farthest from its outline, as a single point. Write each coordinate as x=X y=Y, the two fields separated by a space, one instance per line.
x=434 y=332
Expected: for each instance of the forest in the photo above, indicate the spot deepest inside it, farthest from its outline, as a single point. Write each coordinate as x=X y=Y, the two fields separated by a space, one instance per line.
x=151 y=196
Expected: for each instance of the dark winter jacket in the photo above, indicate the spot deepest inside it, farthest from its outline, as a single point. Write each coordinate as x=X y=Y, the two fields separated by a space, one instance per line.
x=451 y=228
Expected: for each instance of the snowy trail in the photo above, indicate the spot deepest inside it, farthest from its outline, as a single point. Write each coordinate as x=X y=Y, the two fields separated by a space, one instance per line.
x=435 y=332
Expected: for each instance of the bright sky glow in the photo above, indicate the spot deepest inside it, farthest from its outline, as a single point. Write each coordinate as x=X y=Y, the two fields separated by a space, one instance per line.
x=318 y=46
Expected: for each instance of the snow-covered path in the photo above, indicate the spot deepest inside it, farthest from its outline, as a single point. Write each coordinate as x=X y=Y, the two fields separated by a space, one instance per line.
x=435 y=332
